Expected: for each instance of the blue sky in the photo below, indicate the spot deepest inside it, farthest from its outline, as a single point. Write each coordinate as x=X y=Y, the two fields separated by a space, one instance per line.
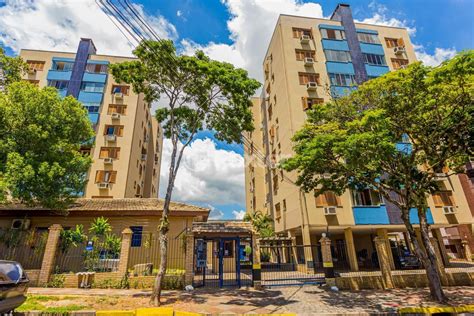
x=237 y=31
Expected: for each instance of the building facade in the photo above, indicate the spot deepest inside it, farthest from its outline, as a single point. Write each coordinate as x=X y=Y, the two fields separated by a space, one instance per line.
x=310 y=61
x=126 y=149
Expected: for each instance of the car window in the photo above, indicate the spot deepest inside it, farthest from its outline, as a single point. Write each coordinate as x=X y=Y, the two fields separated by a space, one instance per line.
x=10 y=272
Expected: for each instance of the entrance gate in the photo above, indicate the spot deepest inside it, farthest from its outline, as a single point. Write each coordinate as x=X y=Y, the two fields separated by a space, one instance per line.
x=222 y=261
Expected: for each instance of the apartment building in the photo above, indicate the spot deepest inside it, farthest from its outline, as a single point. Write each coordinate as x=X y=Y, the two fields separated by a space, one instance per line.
x=309 y=61
x=126 y=149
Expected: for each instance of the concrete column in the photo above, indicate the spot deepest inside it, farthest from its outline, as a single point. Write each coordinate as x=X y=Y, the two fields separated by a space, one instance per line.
x=125 y=251
x=327 y=261
x=256 y=264
x=308 y=254
x=189 y=261
x=383 y=233
x=437 y=234
x=47 y=265
x=467 y=250
x=384 y=262
x=294 y=253
x=440 y=265
x=418 y=237
x=350 y=248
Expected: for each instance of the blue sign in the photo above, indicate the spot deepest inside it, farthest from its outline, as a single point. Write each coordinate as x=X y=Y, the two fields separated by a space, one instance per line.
x=90 y=246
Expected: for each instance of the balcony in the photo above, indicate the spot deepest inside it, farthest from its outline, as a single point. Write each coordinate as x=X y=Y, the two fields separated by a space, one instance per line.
x=59 y=75
x=378 y=215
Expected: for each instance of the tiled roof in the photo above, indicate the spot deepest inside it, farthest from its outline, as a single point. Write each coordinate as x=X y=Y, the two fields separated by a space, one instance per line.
x=131 y=204
x=222 y=227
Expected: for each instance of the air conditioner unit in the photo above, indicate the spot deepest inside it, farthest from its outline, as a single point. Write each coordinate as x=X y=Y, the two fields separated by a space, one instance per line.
x=118 y=95
x=304 y=39
x=308 y=61
x=311 y=86
x=449 y=210
x=330 y=210
x=398 y=50
x=261 y=126
x=22 y=224
x=273 y=165
x=103 y=185
x=143 y=157
x=108 y=161
x=111 y=138
x=115 y=116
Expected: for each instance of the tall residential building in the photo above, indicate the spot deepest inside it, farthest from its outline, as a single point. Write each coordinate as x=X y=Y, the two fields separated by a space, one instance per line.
x=310 y=61
x=126 y=149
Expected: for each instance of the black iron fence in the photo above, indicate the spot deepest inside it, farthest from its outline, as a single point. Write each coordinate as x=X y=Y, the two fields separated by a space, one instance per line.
x=24 y=246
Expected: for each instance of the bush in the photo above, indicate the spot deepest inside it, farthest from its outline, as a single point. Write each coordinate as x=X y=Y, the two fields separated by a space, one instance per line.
x=57 y=281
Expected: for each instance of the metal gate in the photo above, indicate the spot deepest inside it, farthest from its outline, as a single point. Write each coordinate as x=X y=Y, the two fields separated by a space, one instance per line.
x=284 y=264
x=222 y=262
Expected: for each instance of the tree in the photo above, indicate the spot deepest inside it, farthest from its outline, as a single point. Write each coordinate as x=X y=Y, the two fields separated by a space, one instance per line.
x=11 y=69
x=40 y=138
x=356 y=142
x=262 y=223
x=200 y=94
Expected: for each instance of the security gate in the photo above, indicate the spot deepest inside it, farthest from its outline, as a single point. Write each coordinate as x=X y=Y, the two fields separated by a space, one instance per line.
x=222 y=262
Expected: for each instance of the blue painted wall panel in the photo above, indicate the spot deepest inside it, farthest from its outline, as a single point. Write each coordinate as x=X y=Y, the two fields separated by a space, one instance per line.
x=68 y=60
x=404 y=147
x=88 y=97
x=366 y=31
x=331 y=27
x=376 y=71
x=91 y=77
x=372 y=48
x=59 y=75
x=335 y=45
x=414 y=216
x=101 y=62
x=339 y=68
x=94 y=117
x=337 y=91
x=367 y=215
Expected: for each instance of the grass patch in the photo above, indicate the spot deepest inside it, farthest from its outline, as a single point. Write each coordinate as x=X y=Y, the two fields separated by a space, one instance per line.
x=37 y=303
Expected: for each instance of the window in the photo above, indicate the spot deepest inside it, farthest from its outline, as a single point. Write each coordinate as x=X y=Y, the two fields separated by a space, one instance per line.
x=62 y=65
x=277 y=211
x=105 y=176
x=58 y=84
x=96 y=68
x=398 y=63
x=92 y=87
x=275 y=183
x=328 y=198
x=309 y=102
x=109 y=152
x=35 y=65
x=333 y=34
x=337 y=55
x=116 y=130
x=302 y=54
x=228 y=248
x=92 y=107
x=137 y=233
x=394 y=42
x=374 y=59
x=306 y=77
x=344 y=80
x=120 y=89
x=368 y=38
x=443 y=198
x=298 y=32
x=117 y=108
x=367 y=197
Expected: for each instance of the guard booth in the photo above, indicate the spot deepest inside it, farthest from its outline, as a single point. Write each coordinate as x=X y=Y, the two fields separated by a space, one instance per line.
x=222 y=254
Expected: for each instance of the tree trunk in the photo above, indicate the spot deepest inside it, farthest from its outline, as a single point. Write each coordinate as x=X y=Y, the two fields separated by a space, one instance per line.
x=434 y=280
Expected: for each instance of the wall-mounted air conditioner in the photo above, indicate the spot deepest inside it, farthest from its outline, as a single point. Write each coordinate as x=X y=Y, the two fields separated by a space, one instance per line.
x=330 y=210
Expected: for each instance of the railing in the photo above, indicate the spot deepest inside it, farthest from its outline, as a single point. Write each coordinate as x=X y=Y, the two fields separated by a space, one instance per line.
x=24 y=246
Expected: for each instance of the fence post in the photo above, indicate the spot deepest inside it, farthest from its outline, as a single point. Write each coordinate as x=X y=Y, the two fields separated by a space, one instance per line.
x=440 y=265
x=350 y=248
x=256 y=264
x=125 y=251
x=439 y=236
x=467 y=250
x=47 y=265
x=327 y=260
x=384 y=262
x=189 y=261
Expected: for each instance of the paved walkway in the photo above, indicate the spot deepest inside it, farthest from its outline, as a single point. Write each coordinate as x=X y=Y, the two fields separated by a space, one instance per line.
x=305 y=300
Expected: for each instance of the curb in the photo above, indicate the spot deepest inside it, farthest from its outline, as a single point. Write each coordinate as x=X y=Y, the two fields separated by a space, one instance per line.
x=436 y=310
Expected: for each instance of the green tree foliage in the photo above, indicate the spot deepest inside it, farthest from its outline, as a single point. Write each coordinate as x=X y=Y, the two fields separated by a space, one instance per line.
x=40 y=137
x=12 y=68
x=71 y=238
x=100 y=227
x=262 y=223
x=200 y=94
x=354 y=142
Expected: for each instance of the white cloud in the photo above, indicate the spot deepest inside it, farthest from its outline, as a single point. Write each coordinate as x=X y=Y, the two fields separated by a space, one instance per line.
x=380 y=18
x=440 y=55
x=59 y=24
x=206 y=175
x=239 y=214
x=179 y=13
x=215 y=214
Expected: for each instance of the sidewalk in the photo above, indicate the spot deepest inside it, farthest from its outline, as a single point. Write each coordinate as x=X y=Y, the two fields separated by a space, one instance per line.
x=306 y=300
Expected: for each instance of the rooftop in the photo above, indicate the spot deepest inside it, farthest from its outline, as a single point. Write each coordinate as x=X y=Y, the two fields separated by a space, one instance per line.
x=234 y=227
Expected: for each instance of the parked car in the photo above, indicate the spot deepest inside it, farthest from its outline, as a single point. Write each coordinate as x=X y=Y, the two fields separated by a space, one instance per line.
x=13 y=285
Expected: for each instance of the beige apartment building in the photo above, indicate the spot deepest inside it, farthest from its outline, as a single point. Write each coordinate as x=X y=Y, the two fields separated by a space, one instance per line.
x=310 y=61
x=126 y=149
